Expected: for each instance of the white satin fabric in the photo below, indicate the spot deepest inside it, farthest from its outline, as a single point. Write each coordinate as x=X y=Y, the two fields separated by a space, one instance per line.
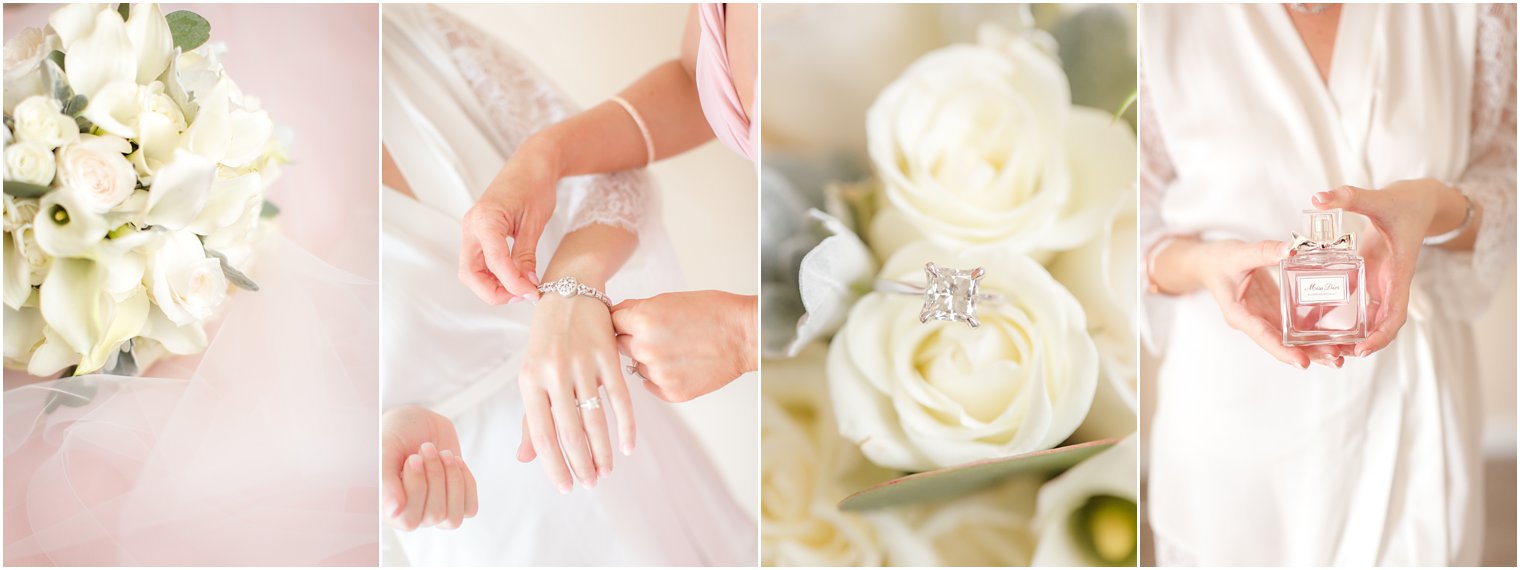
x=1253 y=462
x=456 y=103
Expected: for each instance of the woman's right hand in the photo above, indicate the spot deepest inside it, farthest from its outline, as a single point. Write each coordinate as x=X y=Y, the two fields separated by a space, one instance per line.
x=423 y=478
x=497 y=257
x=570 y=354
x=1235 y=274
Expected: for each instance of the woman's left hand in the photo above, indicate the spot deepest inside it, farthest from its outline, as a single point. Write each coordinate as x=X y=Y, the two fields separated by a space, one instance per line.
x=1402 y=215
x=570 y=355
x=688 y=344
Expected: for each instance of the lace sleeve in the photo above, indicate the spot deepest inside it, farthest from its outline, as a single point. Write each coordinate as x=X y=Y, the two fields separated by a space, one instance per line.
x=1156 y=175
x=1488 y=179
x=520 y=100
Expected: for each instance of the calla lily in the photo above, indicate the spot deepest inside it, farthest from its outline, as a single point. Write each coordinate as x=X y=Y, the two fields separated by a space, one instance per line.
x=114 y=109
x=74 y=21
x=230 y=199
x=177 y=339
x=151 y=41
x=105 y=55
x=66 y=229
x=75 y=303
x=53 y=355
x=23 y=332
x=179 y=191
x=17 y=276
x=1088 y=515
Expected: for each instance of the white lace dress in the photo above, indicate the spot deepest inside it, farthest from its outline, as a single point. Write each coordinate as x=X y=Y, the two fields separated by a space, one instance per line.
x=1251 y=461
x=456 y=103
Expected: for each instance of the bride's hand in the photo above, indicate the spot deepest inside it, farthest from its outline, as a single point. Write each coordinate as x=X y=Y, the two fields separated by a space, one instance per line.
x=1402 y=214
x=1235 y=274
x=570 y=354
x=688 y=344
x=515 y=207
x=423 y=479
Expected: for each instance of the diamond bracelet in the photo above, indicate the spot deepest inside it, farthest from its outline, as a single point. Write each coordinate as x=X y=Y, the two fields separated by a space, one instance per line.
x=567 y=286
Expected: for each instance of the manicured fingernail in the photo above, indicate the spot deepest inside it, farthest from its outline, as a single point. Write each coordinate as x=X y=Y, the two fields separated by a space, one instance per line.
x=448 y=456
x=1360 y=352
x=564 y=487
x=533 y=277
x=414 y=463
x=429 y=450
x=627 y=449
x=514 y=300
x=1321 y=197
x=604 y=471
x=390 y=506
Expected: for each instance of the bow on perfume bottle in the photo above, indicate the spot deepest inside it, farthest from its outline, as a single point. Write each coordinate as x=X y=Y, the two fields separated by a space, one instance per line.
x=1323 y=227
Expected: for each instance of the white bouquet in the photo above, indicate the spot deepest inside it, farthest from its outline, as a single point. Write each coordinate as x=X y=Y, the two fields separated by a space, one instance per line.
x=135 y=172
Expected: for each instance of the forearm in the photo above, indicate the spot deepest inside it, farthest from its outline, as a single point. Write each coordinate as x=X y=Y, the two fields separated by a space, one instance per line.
x=747 y=314
x=592 y=254
x=605 y=138
x=1172 y=266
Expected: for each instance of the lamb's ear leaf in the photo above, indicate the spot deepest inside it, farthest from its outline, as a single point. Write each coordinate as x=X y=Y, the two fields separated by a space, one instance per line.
x=19 y=189
x=233 y=275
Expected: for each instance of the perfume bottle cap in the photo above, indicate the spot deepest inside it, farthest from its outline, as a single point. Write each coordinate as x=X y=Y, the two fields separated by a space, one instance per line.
x=1324 y=225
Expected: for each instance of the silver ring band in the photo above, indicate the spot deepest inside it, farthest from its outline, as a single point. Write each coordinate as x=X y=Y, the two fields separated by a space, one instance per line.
x=592 y=403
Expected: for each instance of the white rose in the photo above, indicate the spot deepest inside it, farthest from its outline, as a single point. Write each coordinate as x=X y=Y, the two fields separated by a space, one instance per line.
x=1101 y=275
x=979 y=144
x=96 y=171
x=1088 y=515
x=917 y=396
x=40 y=119
x=807 y=469
x=187 y=285
x=29 y=162
x=66 y=228
x=19 y=211
x=24 y=54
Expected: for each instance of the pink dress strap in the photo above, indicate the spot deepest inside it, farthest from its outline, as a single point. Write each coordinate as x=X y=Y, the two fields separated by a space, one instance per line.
x=715 y=84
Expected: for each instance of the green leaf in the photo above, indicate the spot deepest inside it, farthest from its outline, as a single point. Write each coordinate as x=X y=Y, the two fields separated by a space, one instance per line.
x=25 y=189
x=269 y=210
x=1128 y=102
x=56 y=57
x=125 y=10
x=233 y=275
x=75 y=105
x=126 y=362
x=970 y=477
x=59 y=82
x=85 y=125
x=71 y=392
x=189 y=29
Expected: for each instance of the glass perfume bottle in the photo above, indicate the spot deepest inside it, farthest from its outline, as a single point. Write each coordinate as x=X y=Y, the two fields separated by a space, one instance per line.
x=1324 y=299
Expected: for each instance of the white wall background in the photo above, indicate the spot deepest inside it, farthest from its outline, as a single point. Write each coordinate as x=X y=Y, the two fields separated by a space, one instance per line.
x=710 y=196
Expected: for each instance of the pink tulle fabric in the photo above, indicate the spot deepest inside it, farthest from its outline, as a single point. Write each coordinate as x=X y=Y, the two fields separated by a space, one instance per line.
x=261 y=450
x=715 y=84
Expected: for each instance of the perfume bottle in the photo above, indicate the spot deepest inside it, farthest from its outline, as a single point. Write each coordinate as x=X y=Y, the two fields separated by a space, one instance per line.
x=1324 y=300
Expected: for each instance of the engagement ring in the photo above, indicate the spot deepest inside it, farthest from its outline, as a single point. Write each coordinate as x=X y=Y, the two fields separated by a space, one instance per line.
x=950 y=294
x=592 y=403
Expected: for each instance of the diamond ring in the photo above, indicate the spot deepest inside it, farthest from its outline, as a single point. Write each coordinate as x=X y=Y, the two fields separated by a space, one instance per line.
x=949 y=295
x=592 y=403
x=632 y=368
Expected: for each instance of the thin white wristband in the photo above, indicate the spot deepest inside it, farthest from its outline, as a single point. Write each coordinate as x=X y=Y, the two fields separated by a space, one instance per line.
x=643 y=128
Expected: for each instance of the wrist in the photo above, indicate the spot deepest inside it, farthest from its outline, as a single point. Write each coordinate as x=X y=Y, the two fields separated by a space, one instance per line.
x=1448 y=210
x=543 y=152
x=748 y=319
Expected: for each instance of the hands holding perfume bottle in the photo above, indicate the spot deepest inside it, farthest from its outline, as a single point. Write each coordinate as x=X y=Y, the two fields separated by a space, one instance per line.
x=1340 y=297
x=1402 y=215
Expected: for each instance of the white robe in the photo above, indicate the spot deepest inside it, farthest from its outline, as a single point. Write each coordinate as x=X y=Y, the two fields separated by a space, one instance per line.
x=1255 y=462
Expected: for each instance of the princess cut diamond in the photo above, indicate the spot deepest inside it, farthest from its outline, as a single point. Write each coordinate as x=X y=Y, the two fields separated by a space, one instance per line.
x=951 y=294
